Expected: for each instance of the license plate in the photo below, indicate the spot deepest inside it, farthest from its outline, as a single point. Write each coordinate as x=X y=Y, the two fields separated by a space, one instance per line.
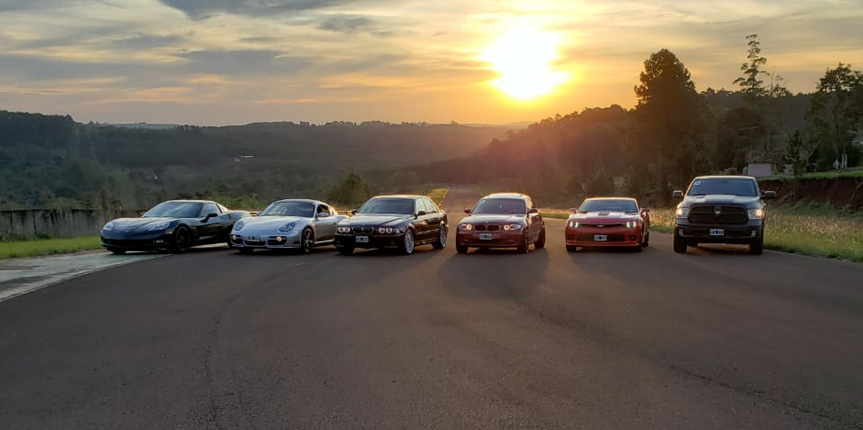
x=486 y=236
x=600 y=238
x=717 y=232
x=362 y=239
x=253 y=238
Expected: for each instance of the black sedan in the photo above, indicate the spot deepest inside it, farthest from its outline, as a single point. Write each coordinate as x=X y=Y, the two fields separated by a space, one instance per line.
x=401 y=221
x=174 y=225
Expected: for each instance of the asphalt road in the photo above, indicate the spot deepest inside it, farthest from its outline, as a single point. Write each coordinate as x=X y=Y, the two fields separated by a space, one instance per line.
x=715 y=339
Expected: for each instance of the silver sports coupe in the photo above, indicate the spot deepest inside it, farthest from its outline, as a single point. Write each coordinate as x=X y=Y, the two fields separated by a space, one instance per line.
x=287 y=224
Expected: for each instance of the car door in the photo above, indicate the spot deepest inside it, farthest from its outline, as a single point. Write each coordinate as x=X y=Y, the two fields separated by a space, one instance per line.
x=325 y=224
x=534 y=220
x=212 y=228
x=435 y=218
x=421 y=224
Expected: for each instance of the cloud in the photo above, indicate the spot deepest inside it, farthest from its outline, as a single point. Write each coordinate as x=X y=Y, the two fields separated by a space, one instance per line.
x=243 y=62
x=201 y=9
x=346 y=24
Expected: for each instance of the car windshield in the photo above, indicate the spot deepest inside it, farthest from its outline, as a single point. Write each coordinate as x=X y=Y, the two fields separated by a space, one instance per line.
x=388 y=206
x=729 y=186
x=300 y=209
x=500 y=207
x=622 y=205
x=175 y=210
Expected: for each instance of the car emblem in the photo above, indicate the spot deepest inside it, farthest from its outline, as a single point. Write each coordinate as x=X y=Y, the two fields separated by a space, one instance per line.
x=717 y=210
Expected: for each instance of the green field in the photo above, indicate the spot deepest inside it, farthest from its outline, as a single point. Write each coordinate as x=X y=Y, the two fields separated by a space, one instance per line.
x=438 y=194
x=802 y=230
x=36 y=248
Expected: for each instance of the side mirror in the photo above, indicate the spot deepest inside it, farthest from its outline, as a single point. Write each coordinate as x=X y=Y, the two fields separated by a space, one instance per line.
x=207 y=218
x=573 y=210
x=645 y=210
x=323 y=215
x=467 y=211
x=421 y=213
x=353 y=211
x=677 y=194
x=768 y=195
x=533 y=211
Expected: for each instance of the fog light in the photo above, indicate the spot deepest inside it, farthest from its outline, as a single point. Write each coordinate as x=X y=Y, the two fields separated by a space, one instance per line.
x=233 y=237
x=279 y=239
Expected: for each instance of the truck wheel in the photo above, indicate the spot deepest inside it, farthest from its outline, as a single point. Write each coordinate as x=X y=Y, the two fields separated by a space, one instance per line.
x=679 y=243
x=756 y=247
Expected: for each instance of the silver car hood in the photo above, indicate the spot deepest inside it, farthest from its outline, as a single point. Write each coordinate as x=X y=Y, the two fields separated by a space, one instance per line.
x=273 y=222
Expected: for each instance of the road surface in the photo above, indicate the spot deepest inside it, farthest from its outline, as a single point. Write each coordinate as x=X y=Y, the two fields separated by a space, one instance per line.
x=715 y=339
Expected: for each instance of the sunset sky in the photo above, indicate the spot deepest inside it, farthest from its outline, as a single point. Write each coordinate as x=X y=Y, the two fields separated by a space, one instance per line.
x=214 y=62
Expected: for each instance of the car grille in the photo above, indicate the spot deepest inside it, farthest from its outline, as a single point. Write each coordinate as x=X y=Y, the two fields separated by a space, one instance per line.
x=488 y=227
x=611 y=238
x=601 y=225
x=363 y=230
x=727 y=215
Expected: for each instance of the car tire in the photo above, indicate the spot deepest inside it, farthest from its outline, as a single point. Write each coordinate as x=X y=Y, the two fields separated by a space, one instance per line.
x=680 y=244
x=182 y=240
x=756 y=247
x=571 y=248
x=246 y=251
x=307 y=241
x=345 y=250
x=117 y=251
x=408 y=243
x=646 y=241
x=524 y=248
x=440 y=243
x=540 y=242
x=461 y=249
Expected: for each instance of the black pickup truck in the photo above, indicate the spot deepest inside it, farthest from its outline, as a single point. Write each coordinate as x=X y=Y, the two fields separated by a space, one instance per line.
x=721 y=209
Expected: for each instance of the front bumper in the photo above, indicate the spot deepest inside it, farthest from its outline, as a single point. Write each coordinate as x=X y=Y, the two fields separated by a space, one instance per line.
x=265 y=239
x=349 y=240
x=498 y=239
x=614 y=236
x=733 y=234
x=138 y=242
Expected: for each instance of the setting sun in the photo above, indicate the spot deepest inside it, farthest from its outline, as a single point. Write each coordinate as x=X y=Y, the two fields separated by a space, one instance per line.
x=523 y=58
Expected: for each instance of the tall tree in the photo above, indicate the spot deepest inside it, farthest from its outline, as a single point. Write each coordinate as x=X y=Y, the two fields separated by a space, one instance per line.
x=836 y=113
x=671 y=119
x=750 y=83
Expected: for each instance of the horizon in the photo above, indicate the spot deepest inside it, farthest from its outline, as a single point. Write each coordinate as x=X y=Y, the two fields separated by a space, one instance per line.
x=234 y=63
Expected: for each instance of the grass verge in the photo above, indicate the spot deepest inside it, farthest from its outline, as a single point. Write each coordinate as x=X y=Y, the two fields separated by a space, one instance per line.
x=37 y=248
x=438 y=194
x=799 y=230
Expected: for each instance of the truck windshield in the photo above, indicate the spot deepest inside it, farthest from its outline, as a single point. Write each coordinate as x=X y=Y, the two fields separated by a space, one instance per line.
x=728 y=186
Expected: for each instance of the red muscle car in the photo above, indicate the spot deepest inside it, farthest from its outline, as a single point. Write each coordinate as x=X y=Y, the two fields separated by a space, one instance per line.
x=613 y=222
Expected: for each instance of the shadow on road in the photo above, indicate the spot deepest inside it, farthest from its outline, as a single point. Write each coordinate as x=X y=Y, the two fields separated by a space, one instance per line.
x=494 y=274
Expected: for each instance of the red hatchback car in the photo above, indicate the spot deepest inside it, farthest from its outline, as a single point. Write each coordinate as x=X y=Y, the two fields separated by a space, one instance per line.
x=613 y=222
x=504 y=220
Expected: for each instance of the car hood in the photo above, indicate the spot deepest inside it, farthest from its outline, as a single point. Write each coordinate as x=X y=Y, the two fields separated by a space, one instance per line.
x=604 y=217
x=121 y=224
x=272 y=222
x=377 y=220
x=493 y=219
x=721 y=199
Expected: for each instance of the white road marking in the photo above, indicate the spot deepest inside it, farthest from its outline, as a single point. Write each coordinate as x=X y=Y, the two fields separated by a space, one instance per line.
x=22 y=276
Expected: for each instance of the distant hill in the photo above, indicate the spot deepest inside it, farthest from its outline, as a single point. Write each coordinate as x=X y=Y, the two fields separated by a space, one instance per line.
x=49 y=160
x=144 y=125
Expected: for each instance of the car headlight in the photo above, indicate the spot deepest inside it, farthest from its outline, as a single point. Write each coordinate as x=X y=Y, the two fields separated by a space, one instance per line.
x=682 y=212
x=344 y=229
x=631 y=224
x=287 y=227
x=389 y=230
x=159 y=227
x=239 y=225
x=465 y=227
x=512 y=227
x=756 y=213
x=109 y=226
x=573 y=224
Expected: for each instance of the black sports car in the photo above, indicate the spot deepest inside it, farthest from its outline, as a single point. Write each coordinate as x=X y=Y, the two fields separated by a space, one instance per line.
x=402 y=221
x=174 y=225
